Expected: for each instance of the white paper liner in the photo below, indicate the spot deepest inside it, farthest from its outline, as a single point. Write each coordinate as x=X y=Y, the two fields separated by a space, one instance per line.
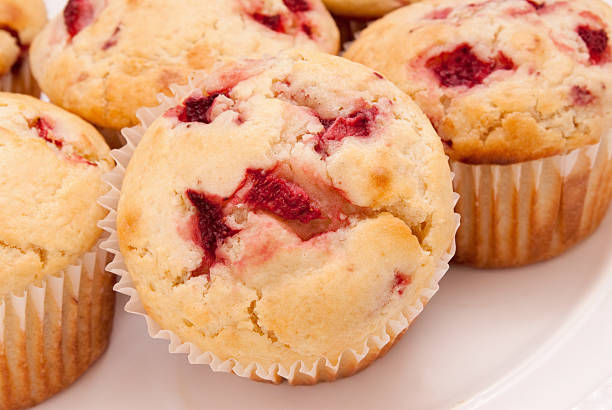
x=531 y=211
x=21 y=82
x=50 y=334
x=349 y=362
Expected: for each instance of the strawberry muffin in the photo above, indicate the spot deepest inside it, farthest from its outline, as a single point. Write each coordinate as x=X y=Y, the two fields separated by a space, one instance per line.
x=56 y=301
x=520 y=93
x=292 y=209
x=103 y=59
x=20 y=22
x=364 y=8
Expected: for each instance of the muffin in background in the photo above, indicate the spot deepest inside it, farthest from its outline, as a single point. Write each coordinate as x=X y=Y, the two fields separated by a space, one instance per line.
x=56 y=300
x=20 y=22
x=104 y=59
x=520 y=93
x=364 y=9
x=286 y=210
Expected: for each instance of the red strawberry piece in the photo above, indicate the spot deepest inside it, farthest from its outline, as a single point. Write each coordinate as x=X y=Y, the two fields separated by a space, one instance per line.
x=358 y=124
x=461 y=67
x=596 y=42
x=273 y=22
x=581 y=95
x=280 y=197
x=78 y=14
x=44 y=128
x=297 y=6
x=210 y=230
x=197 y=109
x=400 y=281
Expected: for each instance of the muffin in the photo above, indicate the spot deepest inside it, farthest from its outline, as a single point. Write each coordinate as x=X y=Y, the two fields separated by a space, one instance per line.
x=56 y=301
x=20 y=22
x=289 y=216
x=364 y=8
x=520 y=93
x=103 y=60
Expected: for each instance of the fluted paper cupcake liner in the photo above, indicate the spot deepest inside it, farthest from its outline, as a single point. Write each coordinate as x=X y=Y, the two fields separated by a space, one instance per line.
x=531 y=211
x=324 y=369
x=50 y=334
x=21 y=80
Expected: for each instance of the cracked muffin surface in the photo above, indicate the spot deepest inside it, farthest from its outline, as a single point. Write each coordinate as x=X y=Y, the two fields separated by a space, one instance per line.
x=286 y=210
x=105 y=59
x=50 y=179
x=502 y=81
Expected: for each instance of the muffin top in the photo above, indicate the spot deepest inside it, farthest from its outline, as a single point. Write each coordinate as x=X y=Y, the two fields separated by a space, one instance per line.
x=364 y=8
x=51 y=163
x=20 y=21
x=287 y=209
x=105 y=59
x=502 y=81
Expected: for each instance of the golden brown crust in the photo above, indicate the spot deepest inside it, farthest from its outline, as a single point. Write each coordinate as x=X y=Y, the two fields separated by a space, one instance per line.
x=49 y=184
x=545 y=95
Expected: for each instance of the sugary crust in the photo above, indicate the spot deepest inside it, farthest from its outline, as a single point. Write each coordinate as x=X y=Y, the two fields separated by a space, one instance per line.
x=275 y=297
x=551 y=98
x=27 y=18
x=48 y=193
x=364 y=8
x=135 y=49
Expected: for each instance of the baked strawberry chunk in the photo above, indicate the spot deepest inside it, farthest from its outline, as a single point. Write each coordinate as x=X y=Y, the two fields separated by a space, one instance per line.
x=581 y=95
x=297 y=6
x=358 y=124
x=197 y=109
x=112 y=41
x=400 y=282
x=461 y=67
x=596 y=42
x=78 y=14
x=280 y=197
x=273 y=22
x=209 y=229
x=44 y=128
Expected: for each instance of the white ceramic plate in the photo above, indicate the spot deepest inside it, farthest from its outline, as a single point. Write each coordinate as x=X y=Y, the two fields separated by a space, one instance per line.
x=531 y=338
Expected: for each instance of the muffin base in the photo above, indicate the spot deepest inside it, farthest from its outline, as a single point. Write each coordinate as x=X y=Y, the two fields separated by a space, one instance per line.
x=49 y=335
x=528 y=212
x=21 y=82
x=299 y=373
